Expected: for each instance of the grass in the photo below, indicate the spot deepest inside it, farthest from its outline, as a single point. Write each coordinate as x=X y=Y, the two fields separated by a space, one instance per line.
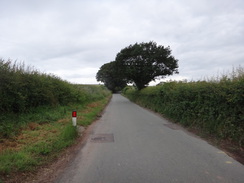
x=35 y=115
x=12 y=123
x=40 y=142
x=91 y=112
x=29 y=95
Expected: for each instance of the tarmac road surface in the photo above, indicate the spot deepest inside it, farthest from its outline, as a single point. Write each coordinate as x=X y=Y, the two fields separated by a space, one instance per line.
x=130 y=144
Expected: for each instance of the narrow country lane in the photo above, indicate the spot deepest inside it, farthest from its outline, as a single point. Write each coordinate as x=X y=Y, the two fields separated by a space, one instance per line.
x=132 y=145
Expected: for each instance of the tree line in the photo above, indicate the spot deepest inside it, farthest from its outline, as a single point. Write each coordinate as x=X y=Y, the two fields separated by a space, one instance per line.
x=138 y=64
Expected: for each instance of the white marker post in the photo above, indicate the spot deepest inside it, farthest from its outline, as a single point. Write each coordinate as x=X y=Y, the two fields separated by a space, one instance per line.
x=74 y=115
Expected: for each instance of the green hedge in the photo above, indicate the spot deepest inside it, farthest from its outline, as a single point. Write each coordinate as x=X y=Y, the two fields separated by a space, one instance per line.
x=23 y=88
x=216 y=107
x=27 y=95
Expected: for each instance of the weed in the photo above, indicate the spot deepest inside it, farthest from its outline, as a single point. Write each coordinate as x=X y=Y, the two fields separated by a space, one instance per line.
x=12 y=161
x=35 y=112
x=40 y=142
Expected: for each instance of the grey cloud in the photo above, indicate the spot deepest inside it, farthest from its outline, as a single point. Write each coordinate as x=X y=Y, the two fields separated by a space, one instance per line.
x=57 y=35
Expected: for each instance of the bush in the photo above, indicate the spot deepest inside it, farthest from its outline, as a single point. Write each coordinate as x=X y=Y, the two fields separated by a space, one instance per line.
x=22 y=88
x=215 y=106
x=27 y=95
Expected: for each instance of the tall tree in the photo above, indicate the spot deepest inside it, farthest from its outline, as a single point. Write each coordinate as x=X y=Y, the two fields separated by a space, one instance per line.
x=144 y=62
x=109 y=75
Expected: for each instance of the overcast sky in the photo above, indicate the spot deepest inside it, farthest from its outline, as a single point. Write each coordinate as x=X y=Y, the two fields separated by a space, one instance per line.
x=73 y=39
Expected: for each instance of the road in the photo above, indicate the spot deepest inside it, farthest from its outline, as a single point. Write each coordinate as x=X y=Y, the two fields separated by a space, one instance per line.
x=130 y=144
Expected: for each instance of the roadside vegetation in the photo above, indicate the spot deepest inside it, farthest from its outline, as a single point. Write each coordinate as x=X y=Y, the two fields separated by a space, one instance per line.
x=35 y=115
x=215 y=106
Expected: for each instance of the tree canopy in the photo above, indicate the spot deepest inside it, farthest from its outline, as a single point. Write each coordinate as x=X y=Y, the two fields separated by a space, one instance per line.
x=108 y=74
x=141 y=63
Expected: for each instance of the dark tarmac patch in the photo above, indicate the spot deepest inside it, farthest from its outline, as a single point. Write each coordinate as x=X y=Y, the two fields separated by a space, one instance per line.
x=102 y=138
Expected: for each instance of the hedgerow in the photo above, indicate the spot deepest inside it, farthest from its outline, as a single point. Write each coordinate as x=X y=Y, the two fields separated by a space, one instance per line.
x=24 y=90
x=215 y=106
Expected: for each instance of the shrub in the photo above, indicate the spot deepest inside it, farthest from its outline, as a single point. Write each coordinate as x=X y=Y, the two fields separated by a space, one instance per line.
x=22 y=88
x=215 y=106
x=27 y=93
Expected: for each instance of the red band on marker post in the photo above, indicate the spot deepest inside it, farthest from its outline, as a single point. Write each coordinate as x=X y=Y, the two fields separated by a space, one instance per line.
x=74 y=114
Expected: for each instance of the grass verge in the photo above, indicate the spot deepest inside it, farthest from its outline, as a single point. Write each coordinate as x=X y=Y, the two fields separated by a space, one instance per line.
x=40 y=142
